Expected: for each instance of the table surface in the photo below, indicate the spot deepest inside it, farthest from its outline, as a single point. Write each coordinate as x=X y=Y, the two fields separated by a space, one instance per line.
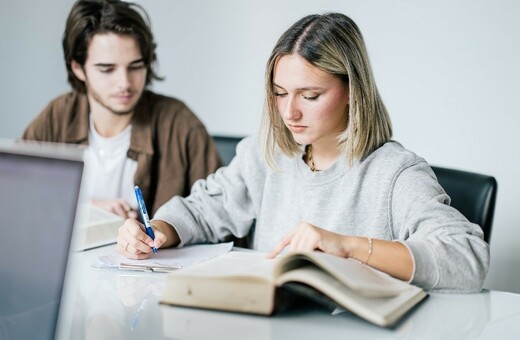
x=114 y=304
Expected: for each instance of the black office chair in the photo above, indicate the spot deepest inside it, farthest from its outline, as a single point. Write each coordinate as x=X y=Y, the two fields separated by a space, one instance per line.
x=472 y=194
x=226 y=147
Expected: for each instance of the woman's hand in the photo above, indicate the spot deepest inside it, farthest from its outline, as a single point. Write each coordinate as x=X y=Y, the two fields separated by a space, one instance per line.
x=390 y=257
x=307 y=237
x=117 y=206
x=134 y=243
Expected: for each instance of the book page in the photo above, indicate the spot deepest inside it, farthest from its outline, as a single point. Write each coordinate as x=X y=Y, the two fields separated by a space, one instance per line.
x=381 y=310
x=363 y=279
x=235 y=264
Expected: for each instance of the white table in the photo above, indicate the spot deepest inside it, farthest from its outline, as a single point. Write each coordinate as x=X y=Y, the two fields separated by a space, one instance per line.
x=113 y=304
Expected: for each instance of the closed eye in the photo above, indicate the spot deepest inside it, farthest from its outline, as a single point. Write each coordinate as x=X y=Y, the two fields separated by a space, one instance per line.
x=106 y=69
x=311 y=97
x=137 y=67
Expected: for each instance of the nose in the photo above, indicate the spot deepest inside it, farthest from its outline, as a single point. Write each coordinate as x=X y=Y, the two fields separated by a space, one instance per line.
x=291 y=110
x=123 y=80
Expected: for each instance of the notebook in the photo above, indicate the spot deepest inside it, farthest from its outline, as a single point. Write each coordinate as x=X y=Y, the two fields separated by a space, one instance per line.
x=39 y=193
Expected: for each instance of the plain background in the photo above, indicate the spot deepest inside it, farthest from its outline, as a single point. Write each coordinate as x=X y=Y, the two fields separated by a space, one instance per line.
x=448 y=71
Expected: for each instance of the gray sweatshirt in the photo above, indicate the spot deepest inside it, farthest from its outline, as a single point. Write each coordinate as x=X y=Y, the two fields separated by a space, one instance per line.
x=392 y=195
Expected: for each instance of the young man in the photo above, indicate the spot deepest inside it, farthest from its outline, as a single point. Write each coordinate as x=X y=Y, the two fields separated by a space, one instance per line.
x=134 y=136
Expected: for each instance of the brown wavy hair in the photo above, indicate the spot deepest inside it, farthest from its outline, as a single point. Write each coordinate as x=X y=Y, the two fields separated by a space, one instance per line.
x=90 y=17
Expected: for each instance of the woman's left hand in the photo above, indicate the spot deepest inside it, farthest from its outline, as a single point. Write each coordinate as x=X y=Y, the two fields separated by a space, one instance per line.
x=308 y=237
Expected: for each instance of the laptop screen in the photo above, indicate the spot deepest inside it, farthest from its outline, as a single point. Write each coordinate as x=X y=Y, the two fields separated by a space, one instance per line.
x=38 y=199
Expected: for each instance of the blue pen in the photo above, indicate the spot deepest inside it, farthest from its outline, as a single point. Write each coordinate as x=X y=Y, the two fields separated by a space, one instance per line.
x=144 y=214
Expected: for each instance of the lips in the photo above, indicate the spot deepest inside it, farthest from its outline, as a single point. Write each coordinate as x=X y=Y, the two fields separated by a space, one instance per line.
x=124 y=97
x=296 y=128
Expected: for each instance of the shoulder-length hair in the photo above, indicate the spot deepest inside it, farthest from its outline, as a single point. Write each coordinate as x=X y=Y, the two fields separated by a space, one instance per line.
x=90 y=17
x=333 y=43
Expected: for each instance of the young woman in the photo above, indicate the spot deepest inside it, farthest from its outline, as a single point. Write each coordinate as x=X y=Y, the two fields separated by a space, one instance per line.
x=325 y=175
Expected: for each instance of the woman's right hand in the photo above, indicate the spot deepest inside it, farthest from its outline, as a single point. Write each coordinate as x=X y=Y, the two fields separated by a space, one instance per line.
x=134 y=243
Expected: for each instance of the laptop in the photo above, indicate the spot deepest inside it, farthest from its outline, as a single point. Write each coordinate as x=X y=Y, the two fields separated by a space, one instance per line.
x=39 y=192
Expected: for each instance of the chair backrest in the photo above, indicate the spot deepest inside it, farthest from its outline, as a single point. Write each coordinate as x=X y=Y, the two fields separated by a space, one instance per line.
x=226 y=147
x=472 y=194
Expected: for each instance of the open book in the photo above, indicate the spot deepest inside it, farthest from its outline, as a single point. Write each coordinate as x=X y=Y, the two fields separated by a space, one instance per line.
x=96 y=227
x=248 y=282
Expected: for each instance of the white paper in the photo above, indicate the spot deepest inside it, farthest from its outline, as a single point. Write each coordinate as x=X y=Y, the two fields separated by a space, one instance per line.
x=175 y=258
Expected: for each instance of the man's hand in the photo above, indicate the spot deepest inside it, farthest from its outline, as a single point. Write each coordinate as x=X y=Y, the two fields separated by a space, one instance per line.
x=117 y=206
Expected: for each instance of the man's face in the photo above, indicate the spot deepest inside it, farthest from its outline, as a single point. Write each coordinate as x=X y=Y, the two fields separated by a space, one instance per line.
x=114 y=73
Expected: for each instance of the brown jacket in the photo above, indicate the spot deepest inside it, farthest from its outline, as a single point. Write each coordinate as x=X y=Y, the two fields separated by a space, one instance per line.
x=170 y=144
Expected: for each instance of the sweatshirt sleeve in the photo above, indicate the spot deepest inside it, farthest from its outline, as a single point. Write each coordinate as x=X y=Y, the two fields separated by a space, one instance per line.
x=448 y=251
x=218 y=206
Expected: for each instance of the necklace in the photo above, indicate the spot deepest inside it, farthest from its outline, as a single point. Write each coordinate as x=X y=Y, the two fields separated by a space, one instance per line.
x=310 y=160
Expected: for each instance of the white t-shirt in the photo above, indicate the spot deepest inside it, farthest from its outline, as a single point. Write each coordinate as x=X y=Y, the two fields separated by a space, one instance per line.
x=109 y=173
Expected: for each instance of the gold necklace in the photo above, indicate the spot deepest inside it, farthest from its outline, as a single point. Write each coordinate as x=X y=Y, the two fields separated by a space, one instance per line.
x=308 y=151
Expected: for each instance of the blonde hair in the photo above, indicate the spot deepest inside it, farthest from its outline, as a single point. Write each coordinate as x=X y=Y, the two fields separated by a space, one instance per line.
x=333 y=43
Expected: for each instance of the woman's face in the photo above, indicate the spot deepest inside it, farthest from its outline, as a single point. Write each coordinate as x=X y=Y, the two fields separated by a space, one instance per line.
x=312 y=103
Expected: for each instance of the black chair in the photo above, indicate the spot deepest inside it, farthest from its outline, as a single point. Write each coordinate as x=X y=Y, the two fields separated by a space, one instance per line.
x=226 y=147
x=472 y=194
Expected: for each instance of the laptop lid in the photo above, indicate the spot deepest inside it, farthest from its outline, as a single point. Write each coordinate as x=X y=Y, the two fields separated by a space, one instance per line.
x=39 y=192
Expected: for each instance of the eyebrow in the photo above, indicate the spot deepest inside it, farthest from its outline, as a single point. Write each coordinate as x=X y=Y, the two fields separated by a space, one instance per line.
x=109 y=64
x=310 y=88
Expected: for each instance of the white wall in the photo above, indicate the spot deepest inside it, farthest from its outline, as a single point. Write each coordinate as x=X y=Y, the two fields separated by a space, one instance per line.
x=449 y=73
